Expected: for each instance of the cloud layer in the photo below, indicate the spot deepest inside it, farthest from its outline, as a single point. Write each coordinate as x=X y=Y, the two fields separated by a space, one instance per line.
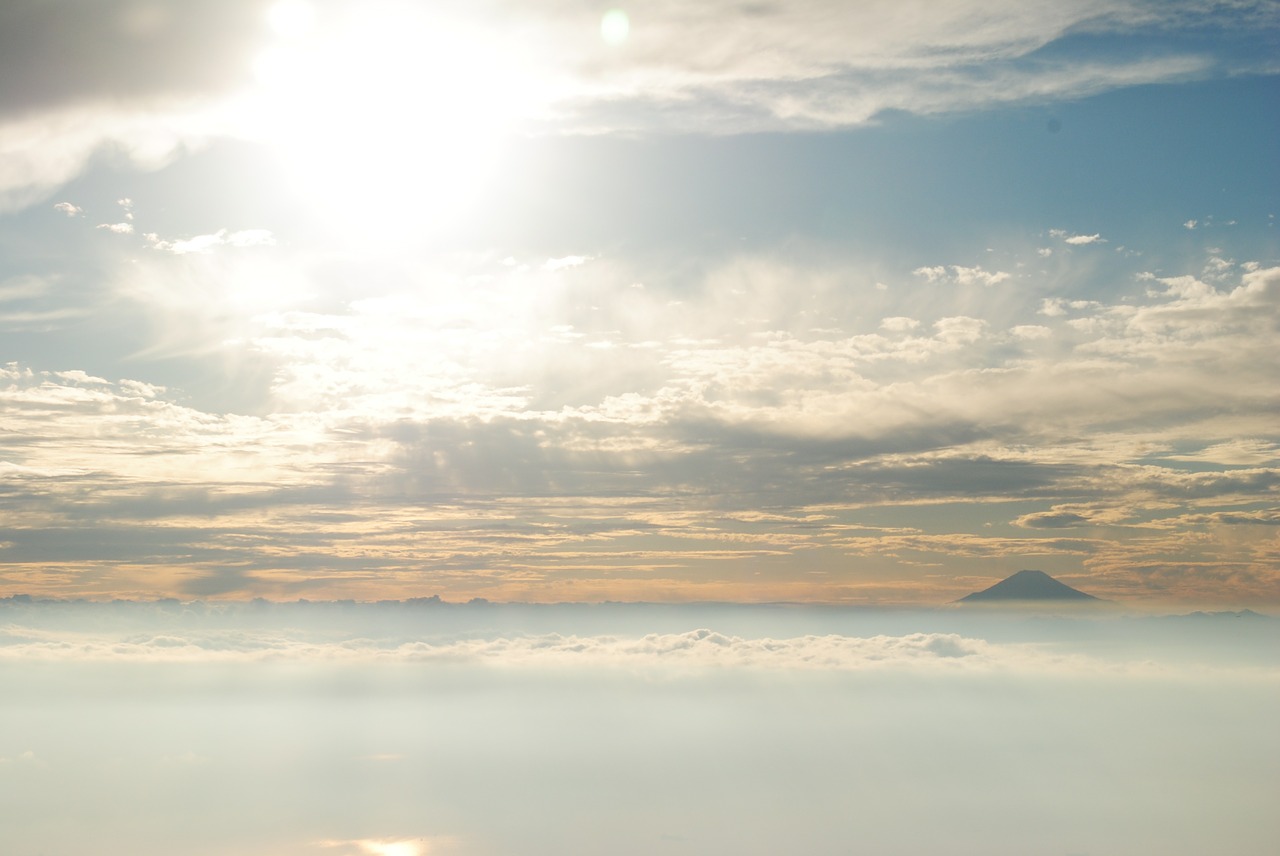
x=503 y=426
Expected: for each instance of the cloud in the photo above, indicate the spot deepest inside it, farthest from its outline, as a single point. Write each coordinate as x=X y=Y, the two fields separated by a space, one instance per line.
x=208 y=243
x=23 y=288
x=1031 y=331
x=691 y=717
x=565 y=262
x=117 y=50
x=1266 y=517
x=1056 y=306
x=641 y=640
x=69 y=209
x=41 y=151
x=664 y=652
x=960 y=330
x=495 y=400
x=149 y=82
x=1052 y=520
x=380 y=846
x=806 y=65
x=27 y=757
x=961 y=275
x=1241 y=452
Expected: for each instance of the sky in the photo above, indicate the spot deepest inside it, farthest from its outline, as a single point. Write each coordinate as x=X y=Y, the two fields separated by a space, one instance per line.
x=870 y=303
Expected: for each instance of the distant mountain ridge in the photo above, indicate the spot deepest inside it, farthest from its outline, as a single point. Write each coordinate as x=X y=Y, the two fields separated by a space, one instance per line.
x=1028 y=586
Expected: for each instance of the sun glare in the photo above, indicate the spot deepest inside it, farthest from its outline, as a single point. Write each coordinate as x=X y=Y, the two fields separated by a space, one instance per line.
x=291 y=18
x=390 y=119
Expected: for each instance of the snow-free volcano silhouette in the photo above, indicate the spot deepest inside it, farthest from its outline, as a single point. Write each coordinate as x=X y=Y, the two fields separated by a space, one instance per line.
x=1028 y=586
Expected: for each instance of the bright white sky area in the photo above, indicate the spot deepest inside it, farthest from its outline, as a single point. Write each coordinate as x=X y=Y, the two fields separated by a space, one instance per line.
x=872 y=302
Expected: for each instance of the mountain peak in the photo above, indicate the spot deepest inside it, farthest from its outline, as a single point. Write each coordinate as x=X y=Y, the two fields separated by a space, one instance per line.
x=1027 y=585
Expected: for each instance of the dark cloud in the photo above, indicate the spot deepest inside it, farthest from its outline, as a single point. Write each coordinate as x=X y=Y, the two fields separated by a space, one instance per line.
x=55 y=53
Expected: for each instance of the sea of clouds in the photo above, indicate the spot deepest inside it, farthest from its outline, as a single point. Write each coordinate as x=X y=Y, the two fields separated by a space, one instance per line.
x=406 y=729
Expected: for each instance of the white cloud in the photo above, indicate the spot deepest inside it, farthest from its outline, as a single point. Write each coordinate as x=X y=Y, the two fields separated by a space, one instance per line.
x=1219 y=269
x=117 y=228
x=960 y=329
x=69 y=209
x=961 y=275
x=1077 y=240
x=208 y=243
x=565 y=262
x=978 y=276
x=39 y=153
x=1057 y=306
x=696 y=649
x=899 y=323
x=1031 y=331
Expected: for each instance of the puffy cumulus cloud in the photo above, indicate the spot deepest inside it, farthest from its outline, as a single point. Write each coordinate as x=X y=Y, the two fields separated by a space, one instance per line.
x=961 y=275
x=1031 y=331
x=960 y=330
x=899 y=324
x=117 y=228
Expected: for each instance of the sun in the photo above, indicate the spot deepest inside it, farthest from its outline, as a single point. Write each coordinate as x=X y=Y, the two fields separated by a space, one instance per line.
x=386 y=116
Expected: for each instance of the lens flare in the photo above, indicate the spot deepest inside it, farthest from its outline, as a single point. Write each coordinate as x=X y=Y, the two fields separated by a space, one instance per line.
x=615 y=26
